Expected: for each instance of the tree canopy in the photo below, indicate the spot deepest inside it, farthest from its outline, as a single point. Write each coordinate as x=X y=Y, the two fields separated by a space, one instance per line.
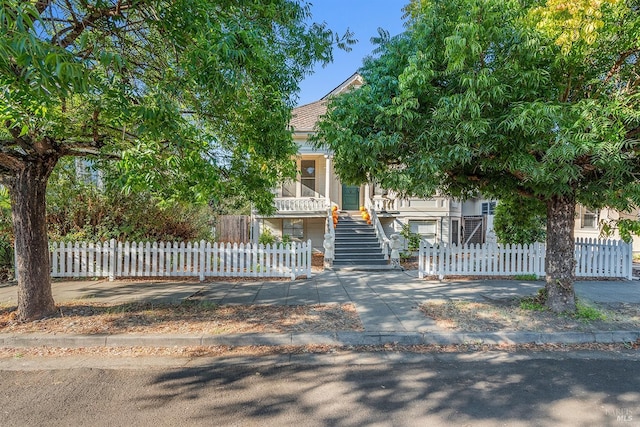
x=531 y=98
x=194 y=93
x=192 y=96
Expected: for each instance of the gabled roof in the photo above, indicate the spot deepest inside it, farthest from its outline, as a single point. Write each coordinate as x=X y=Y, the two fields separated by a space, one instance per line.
x=305 y=117
x=353 y=82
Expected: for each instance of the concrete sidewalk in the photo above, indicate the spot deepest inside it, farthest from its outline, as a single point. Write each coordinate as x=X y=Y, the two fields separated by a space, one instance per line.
x=386 y=301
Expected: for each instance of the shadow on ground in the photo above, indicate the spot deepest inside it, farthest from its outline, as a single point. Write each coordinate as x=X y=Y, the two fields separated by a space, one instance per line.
x=532 y=392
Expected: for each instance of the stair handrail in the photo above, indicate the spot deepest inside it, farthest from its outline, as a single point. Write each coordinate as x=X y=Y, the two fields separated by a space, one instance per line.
x=385 y=243
x=331 y=229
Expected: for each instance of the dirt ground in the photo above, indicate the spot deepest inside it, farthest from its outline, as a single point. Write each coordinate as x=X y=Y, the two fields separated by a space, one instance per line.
x=507 y=315
x=189 y=317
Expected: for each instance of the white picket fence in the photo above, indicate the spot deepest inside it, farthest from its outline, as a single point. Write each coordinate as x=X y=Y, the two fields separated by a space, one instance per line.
x=199 y=259
x=594 y=258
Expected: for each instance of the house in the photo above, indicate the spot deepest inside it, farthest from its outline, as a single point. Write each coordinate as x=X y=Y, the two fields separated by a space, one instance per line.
x=589 y=223
x=302 y=205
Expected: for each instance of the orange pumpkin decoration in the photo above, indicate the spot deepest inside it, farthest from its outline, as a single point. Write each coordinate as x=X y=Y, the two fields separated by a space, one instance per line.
x=362 y=209
x=334 y=208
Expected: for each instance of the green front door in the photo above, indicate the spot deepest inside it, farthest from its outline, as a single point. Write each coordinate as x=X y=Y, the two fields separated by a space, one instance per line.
x=350 y=197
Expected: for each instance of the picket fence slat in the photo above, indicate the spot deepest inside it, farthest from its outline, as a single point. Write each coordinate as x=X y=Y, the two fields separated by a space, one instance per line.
x=594 y=258
x=196 y=259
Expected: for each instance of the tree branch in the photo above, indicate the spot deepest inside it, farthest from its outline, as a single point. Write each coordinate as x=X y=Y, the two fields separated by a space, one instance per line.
x=10 y=160
x=616 y=66
x=74 y=31
x=41 y=5
x=88 y=152
x=631 y=134
x=21 y=141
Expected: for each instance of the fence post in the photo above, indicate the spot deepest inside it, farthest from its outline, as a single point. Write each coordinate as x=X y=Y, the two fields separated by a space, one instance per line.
x=201 y=261
x=629 y=261
x=112 y=260
x=421 y=256
x=309 y=257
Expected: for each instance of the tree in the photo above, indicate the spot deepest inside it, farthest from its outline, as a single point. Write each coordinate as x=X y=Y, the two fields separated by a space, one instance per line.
x=502 y=97
x=196 y=93
x=520 y=220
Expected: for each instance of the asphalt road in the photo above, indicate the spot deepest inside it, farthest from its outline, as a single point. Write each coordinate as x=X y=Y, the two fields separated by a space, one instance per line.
x=488 y=389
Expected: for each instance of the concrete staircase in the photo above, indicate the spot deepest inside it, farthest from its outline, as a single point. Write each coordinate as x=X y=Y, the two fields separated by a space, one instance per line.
x=356 y=243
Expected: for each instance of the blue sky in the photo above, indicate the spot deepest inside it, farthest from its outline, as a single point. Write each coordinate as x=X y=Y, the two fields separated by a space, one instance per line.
x=363 y=17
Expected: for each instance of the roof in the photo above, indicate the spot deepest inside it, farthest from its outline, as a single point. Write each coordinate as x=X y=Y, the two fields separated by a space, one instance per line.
x=353 y=82
x=305 y=117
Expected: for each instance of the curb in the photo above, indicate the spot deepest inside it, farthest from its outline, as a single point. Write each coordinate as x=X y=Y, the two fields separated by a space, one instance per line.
x=330 y=338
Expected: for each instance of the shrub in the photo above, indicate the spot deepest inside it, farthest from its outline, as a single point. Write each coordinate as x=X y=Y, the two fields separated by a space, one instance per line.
x=79 y=210
x=520 y=220
x=267 y=237
x=411 y=239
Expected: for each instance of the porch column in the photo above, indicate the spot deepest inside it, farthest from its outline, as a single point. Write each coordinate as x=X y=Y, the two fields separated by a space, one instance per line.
x=367 y=196
x=327 y=179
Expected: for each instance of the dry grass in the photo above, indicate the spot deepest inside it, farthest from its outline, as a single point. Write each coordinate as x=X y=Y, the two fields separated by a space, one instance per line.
x=508 y=316
x=189 y=317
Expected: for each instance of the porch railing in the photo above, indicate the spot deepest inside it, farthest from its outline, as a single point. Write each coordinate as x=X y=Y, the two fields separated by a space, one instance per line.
x=385 y=243
x=331 y=228
x=310 y=204
x=380 y=204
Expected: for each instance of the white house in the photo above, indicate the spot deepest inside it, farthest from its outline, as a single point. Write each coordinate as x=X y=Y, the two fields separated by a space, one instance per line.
x=301 y=205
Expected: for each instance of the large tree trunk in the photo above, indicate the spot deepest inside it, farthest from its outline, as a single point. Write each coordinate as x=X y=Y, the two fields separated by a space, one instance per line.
x=28 y=207
x=560 y=261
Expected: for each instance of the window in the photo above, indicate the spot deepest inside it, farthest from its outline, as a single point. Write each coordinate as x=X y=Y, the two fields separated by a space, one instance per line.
x=293 y=228
x=379 y=191
x=88 y=172
x=426 y=229
x=488 y=208
x=308 y=178
x=589 y=218
x=289 y=189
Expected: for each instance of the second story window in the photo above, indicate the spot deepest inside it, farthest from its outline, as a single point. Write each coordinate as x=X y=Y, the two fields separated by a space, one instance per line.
x=488 y=208
x=289 y=189
x=308 y=177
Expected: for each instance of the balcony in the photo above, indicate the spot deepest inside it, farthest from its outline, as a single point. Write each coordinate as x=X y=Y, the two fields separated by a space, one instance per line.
x=384 y=205
x=301 y=206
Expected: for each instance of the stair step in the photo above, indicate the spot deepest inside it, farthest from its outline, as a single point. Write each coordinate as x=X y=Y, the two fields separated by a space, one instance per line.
x=356 y=236
x=363 y=231
x=354 y=246
x=356 y=243
x=358 y=251
x=338 y=263
x=360 y=258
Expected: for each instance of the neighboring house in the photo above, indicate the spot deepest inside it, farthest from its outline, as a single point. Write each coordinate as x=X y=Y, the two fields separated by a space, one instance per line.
x=301 y=205
x=589 y=223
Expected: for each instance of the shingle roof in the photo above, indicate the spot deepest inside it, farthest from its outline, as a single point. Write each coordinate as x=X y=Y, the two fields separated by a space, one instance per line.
x=305 y=117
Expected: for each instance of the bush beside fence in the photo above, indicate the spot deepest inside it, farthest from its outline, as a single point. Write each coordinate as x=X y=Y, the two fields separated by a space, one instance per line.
x=594 y=258
x=199 y=259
